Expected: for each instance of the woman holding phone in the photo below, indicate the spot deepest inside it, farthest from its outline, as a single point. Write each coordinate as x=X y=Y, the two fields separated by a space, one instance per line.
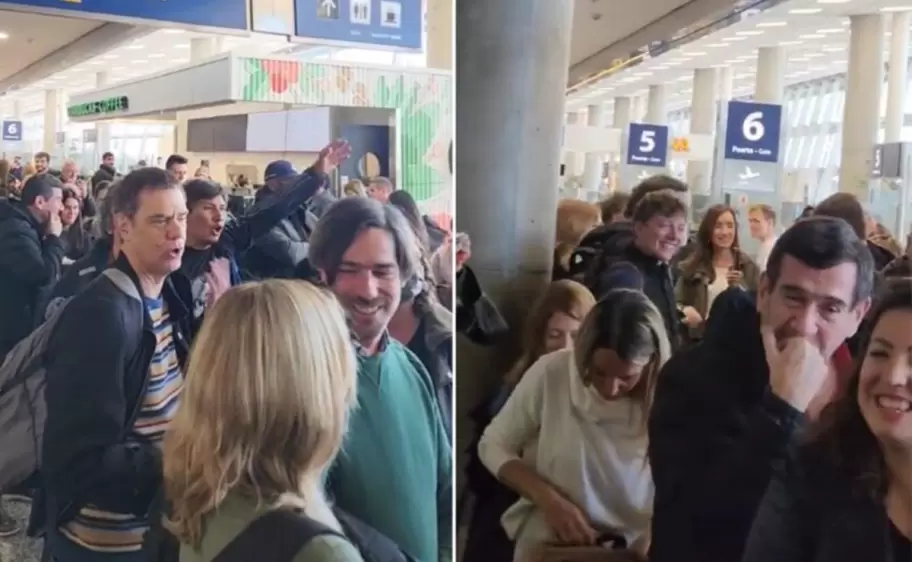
x=716 y=264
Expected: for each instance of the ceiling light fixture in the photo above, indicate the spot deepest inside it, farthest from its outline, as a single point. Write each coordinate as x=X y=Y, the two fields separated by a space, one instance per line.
x=4 y=35
x=735 y=38
x=136 y=47
x=697 y=54
x=831 y=30
x=833 y=1
x=156 y=55
x=772 y=24
x=749 y=33
x=790 y=43
x=811 y=36
x=896 y=9
x=805 y=11
x=716 y=45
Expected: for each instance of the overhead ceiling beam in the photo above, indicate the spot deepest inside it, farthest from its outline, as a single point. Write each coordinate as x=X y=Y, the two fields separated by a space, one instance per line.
x=92 y=44
x=660 y=30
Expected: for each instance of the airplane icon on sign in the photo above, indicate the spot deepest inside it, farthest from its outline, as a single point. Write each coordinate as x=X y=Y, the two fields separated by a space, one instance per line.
x=748 y=174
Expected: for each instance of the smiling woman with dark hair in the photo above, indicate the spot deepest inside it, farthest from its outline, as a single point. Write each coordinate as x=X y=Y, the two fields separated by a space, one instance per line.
x=845 y=495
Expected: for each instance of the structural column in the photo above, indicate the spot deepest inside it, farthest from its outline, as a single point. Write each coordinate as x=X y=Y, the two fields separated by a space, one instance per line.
x=17 y=110
x=637 y=108
x=861 y=117
x=439 y=19
x=572 y=162
x=51 y=108
x=102 y=130
x=511 y=59
x=726 y=83
x=595 y=164
x=656 y=108
x=202 y=48
x=702 y=122
x=770 y=83
x=896 y=102
x=898 y=78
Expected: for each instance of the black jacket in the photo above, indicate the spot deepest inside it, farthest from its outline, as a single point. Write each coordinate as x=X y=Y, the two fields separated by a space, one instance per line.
x=279 y=252
x=433 y=345
x=239 y=236
x=658 y=285
x=29 y=265
x=96 y=379
x=813 y=512
x=80 y=274
x=104 y=173
x=715 y=432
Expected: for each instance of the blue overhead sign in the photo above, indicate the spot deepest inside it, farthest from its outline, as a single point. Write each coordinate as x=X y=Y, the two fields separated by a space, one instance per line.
x=752 y=131
x=225 y=14
x=647 y=145
x=12 y=130
x=383 y=23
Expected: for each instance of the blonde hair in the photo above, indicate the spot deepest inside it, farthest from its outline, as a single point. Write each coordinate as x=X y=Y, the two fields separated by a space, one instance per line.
x=354 y=188
x=264 y=408
x=574 y=219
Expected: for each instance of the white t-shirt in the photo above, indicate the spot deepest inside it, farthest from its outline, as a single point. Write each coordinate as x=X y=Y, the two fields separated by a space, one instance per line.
x=592 y=449
x=763 y=252
x=719 y=284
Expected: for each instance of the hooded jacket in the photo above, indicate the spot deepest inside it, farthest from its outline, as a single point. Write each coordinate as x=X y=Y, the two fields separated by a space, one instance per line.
x=30 y=264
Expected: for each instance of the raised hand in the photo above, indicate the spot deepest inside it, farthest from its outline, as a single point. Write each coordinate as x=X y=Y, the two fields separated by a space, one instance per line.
x=332 y=155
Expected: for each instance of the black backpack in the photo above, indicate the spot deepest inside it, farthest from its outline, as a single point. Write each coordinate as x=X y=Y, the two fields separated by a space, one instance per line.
x=597 y=252
x=286 y=532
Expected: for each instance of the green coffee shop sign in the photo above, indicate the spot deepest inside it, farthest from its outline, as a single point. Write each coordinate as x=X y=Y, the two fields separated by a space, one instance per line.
x=100 y=107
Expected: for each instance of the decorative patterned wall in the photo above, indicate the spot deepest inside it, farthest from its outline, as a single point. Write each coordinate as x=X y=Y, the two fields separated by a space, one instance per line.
x=423 y=98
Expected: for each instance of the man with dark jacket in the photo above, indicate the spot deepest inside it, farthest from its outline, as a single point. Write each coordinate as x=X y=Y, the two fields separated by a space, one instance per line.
x=112 y=384
x=659 y=229
x=81 y=273
x=726 y=409
x=847 y=207
x=279 y=252
x=611 y=238
x=31 y=255
x=106 y=171
x=210 y=263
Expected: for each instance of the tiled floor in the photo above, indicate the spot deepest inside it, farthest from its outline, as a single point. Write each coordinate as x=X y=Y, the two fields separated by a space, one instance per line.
x=19 y=548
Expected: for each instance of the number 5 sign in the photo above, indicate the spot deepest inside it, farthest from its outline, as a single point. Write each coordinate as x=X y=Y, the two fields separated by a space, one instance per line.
x=752 y=131
x=647 y=145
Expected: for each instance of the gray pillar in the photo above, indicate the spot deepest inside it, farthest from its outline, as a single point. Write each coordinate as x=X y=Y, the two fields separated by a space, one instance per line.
x=702 y=122
x=656 y=109
x=102 y=130
x=899 y=77
x=594 y=164
x=861 y=115
x=51 y=107
x=201 y=48
x=512 y=58
x=572 y=161
x=770 y=83
x=726 y=83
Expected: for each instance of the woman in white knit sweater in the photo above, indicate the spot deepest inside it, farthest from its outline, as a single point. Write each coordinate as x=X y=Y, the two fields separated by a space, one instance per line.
x=585 y=409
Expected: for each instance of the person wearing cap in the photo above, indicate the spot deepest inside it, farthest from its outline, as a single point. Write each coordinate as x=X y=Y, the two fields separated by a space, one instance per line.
x=278 y=253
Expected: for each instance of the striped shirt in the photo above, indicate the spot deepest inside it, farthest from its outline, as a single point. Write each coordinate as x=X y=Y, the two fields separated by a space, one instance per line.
x=106 y=532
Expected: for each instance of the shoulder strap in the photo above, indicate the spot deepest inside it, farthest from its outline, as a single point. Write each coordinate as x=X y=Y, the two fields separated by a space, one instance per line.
x=285 y=532
x=123 y=282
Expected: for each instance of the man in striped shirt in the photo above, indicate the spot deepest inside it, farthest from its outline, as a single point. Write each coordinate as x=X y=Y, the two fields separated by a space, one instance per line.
x=114 y=381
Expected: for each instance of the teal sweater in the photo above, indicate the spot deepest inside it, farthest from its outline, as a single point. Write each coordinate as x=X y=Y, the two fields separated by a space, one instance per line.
x=395 y=468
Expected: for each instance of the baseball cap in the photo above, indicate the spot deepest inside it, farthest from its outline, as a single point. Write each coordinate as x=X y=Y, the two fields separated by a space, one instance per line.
x=279 y=169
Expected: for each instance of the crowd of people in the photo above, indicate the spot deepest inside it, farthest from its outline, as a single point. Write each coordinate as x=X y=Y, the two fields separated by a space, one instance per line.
x=679 y=400
x=216 y=381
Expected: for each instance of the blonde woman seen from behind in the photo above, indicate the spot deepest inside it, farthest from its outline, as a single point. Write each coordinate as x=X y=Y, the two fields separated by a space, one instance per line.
x=263 y=413
x=586 y=410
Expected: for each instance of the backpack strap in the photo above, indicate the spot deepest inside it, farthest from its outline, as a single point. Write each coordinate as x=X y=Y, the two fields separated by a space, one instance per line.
x=276 y=536
x=123 y=282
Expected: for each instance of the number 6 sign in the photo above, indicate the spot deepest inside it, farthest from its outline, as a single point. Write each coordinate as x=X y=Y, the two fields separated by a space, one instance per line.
x=752 y=131
x=12 y=130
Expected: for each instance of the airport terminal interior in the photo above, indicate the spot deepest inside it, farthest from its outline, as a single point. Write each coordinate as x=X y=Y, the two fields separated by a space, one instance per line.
x=489 y=118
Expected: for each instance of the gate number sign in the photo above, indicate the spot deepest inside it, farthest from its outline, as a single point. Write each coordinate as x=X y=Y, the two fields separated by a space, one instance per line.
x=752 y=131
x=647 y=145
